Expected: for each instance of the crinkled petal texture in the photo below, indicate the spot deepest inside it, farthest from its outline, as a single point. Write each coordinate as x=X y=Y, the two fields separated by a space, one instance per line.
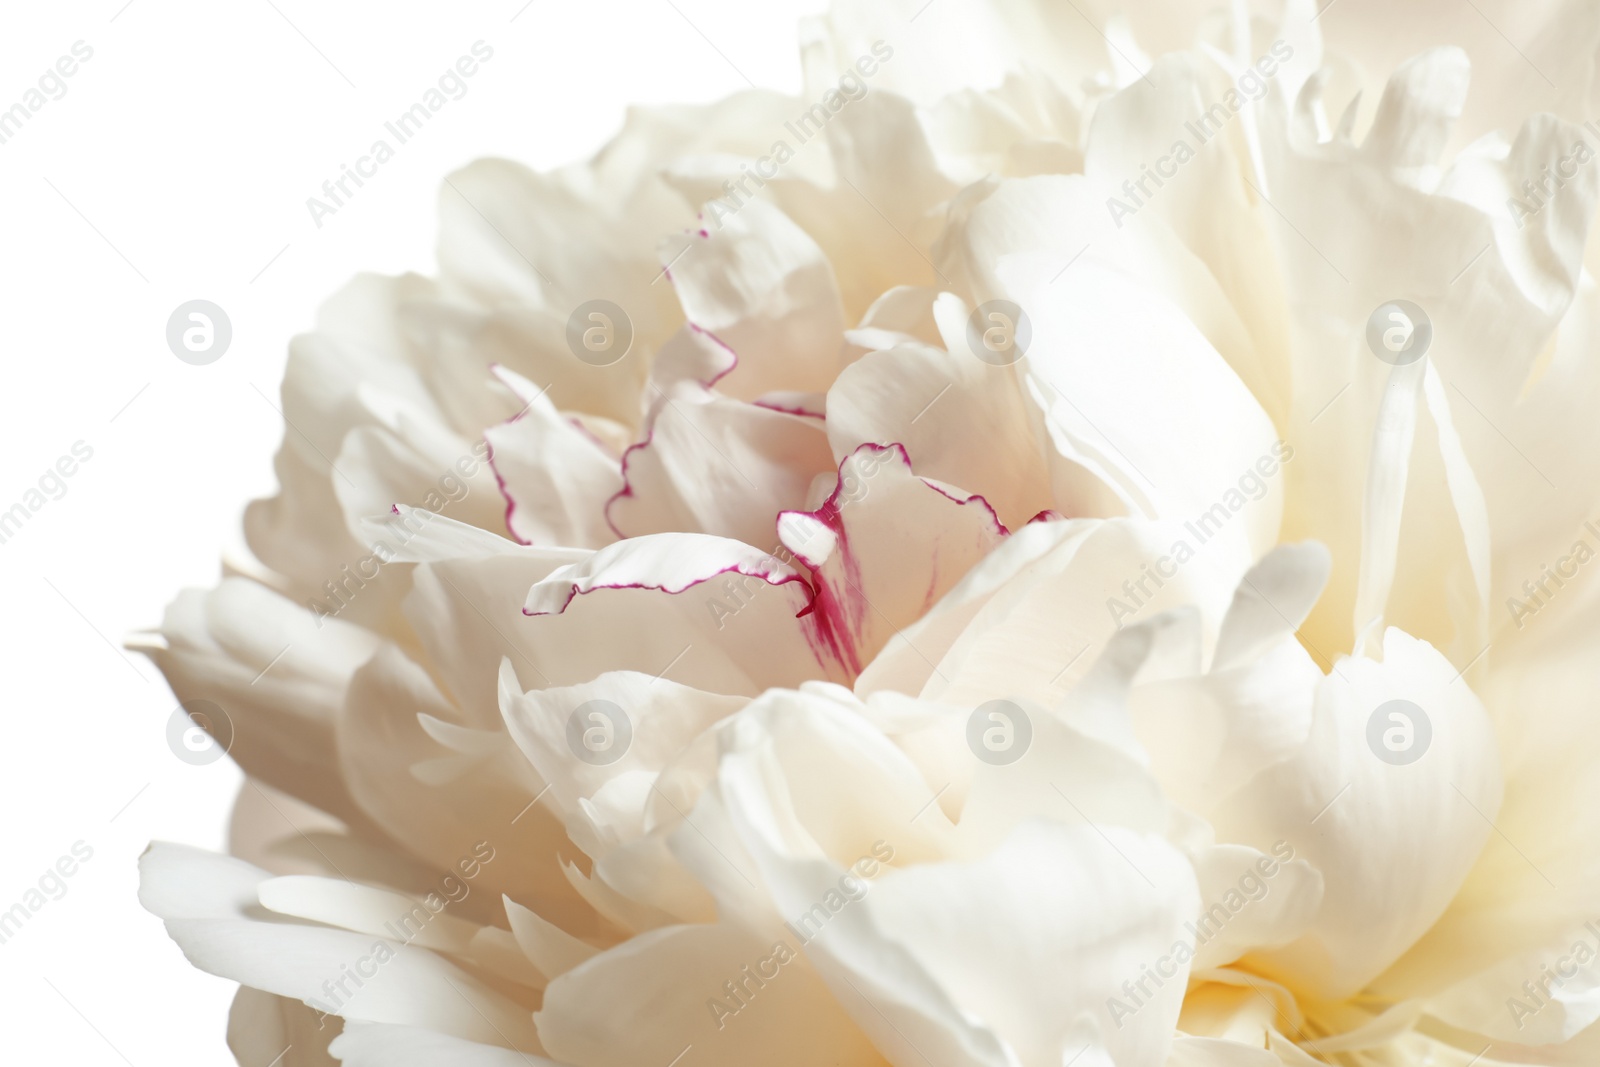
x=1011 y=601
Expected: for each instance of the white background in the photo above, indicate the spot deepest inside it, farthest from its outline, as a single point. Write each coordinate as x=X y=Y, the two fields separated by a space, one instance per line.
x=190 y=142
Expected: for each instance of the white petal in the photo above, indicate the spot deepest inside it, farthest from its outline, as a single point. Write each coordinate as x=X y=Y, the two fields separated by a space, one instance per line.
x=1251 y=900
x=382 y=1045
x=884 y=547
x=467 y=614
x=1561 y=999
x=1042 y=630
x=761 y=286
x=552 y=949
x=443 y=821
x=972 y=428
x=717 y=614
x=264 y=1029
x=662 y=718
x=716 y=465
x=418 y=535
x=1272 y=600
x=672 y=977
x=206 y=899
x=1393 y=842
x=1209 y=1052
x=1110 y=900
x=278 y=672
x=555 y=477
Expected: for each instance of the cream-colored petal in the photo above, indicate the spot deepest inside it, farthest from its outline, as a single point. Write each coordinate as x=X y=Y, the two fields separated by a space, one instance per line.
x=1392 y=841
x=206 y=902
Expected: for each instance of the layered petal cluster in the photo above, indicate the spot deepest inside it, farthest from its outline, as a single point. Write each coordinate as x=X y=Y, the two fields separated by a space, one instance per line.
x=953 y=568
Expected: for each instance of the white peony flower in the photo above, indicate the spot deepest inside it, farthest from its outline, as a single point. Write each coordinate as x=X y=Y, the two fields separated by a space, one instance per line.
x=1042 y=550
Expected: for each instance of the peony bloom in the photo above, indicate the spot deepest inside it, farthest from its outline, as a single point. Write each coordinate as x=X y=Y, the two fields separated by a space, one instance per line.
x=1033 y=552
